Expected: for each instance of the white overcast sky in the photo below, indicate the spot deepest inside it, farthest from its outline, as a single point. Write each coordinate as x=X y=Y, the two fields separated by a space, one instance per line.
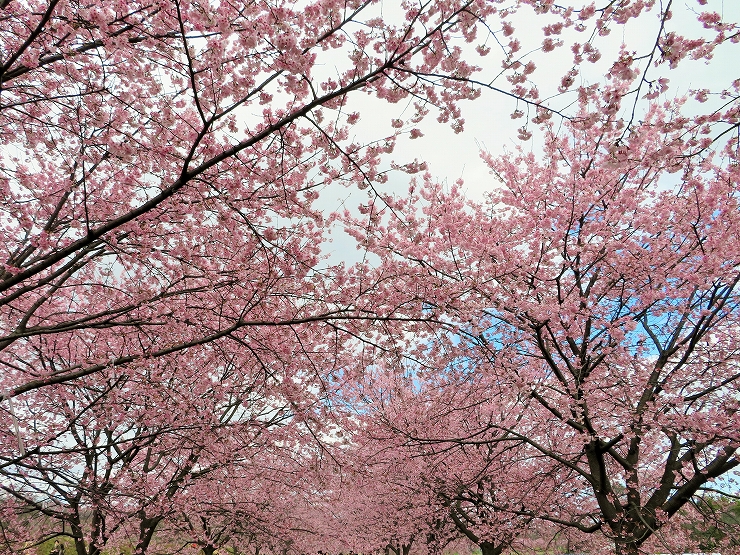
x=488 y=123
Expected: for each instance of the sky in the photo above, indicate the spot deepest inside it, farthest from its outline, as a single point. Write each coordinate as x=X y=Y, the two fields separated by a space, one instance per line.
x=451 y=156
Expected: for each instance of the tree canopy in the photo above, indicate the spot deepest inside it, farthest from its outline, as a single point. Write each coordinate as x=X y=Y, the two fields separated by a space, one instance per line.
x=550 y=363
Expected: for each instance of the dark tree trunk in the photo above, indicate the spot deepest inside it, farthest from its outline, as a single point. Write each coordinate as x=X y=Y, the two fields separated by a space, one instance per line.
x=147 y=527
x=491 y=548
x=79 y=538
x=623 y=548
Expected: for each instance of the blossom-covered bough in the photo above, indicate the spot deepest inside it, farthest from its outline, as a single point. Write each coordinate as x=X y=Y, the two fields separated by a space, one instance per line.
x=161 y=162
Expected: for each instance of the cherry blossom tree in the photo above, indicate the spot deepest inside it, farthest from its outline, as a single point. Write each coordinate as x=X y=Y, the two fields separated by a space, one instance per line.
x=116 y=458
x=159 y=175
x=597 y=283
x=356 y=500
x=479 y=482
x=601 y=287
x=161 y=241
x=162 y=162
x=167 y=316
